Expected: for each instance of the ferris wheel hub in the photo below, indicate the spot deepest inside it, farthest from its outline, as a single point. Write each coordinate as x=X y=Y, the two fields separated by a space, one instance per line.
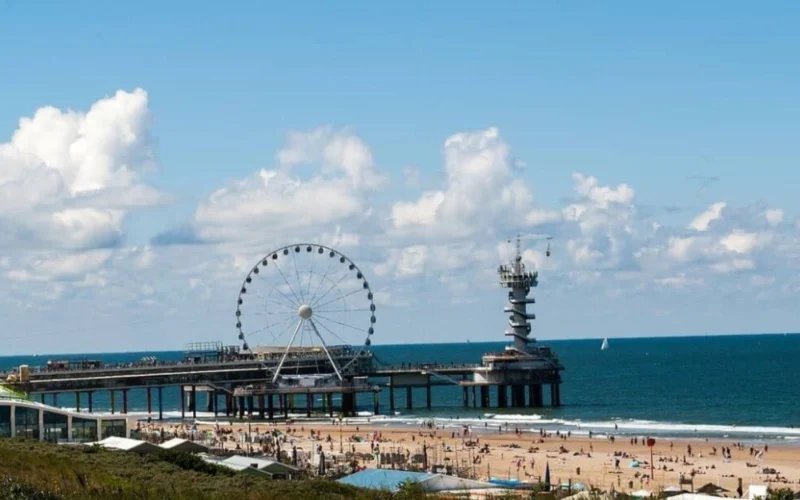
x=304 y=311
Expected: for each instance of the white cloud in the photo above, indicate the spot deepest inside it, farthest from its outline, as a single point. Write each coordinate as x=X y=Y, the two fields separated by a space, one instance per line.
x=68 y=178
x=480 y=194
x=774 y=216
x=743 y=242
x=712 y=213
x=271 y=202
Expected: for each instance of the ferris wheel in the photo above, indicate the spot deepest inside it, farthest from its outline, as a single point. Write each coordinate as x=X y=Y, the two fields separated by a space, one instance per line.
x=310 y=308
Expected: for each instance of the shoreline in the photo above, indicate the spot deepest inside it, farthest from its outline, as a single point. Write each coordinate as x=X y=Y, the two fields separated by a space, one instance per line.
x=530 y=424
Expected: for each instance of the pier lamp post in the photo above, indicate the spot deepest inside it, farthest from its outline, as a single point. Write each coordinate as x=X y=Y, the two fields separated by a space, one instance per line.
x=249 y=435
x=651 y=442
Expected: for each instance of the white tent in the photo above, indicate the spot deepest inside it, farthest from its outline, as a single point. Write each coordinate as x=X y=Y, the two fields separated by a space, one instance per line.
x=127 y=444
x=178 y=444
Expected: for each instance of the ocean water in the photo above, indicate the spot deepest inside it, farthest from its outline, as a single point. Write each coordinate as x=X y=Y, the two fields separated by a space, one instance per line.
x=743 y=387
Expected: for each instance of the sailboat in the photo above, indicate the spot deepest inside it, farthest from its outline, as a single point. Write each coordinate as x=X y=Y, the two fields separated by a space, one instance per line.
x=605 y=344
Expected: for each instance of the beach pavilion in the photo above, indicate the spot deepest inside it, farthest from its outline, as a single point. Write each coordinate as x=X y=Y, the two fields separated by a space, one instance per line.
x=21 y=417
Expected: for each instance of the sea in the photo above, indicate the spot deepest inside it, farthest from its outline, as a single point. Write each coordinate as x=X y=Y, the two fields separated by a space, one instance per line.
x=743 y=387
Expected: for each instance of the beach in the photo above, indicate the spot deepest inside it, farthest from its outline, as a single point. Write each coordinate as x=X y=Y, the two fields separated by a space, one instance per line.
x=601 y=461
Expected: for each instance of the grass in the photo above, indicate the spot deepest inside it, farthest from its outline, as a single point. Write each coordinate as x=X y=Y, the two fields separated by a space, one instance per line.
x=32 y=470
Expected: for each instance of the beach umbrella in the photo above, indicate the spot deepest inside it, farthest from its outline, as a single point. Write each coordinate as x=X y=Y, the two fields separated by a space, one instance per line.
x=547 y=477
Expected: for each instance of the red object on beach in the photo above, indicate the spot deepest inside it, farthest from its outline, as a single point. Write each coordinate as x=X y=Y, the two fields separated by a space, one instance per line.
x=651 y=442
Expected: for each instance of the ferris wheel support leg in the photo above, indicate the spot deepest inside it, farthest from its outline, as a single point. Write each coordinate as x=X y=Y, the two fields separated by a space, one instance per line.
x=325 y=346
x=286 y=352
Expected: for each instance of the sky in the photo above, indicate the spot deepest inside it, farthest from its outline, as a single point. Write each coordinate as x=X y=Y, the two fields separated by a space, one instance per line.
x=151 y=155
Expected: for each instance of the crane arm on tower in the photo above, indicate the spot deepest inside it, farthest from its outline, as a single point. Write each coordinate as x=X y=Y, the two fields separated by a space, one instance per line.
x=532 y=236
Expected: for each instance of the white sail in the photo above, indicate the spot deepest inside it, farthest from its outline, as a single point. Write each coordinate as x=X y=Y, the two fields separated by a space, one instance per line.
x=605 y=345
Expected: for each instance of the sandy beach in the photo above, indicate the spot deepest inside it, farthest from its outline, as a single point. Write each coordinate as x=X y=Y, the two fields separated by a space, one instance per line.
x=603 y=462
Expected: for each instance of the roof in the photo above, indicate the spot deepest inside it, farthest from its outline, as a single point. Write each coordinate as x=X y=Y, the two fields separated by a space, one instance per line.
x=179 y=444
x=239 y=462
x=126 y=444
x=384 y=479
x=693 y=496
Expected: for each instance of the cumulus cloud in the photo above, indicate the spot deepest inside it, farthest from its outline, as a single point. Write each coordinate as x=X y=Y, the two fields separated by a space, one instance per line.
x=480 y=195
x=68 y=178
x=273 y=201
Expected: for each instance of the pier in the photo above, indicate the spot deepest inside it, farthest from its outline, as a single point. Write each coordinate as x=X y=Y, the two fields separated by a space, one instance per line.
x=268 y=382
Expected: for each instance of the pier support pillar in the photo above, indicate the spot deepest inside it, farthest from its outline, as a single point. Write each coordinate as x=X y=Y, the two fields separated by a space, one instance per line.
x=502 y=396
x=91 y=407
x=271 y=407
x=285 y=405
x=149 y=401
x=391 y=395
x=474 y=397
x=428 y=393
x=41 y=397
x=484 y=396
x=250 y=405
x=193 y=401
x=329 y=398
x=309 y=404
x=55 y=399
x=556 y=388
x=409 y=402
x=183 y=402
x=261 y=406
x=537 y=400
x=241 y=406
x=518 y=396
x=465 y=396
x=375 y=404
x=111 y=394
x=228 y=404
x=210 y=396
x=78 y=401
x=125 y=401
x=161 y=403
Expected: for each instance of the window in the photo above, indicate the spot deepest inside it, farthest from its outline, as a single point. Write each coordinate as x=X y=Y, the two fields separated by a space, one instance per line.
x=5 y=421
x=27 y=422
x=112 y=428
x=84 y=430
x=55 y=427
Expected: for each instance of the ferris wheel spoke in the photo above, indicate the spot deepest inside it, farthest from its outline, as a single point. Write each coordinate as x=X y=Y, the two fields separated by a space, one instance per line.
x=275 y=287
x=310 y=274
x=329 y=311
x=286 y=328
x=342 y=297
x=323 y=325
x=270 y=325
x=286 y=352
x=322 y=280
x=325 y=347
x=341 y=323
x=299 y=282
x=336 y=284
x=287 y=283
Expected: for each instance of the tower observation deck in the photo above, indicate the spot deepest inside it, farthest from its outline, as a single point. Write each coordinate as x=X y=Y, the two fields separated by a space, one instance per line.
x=519 y=280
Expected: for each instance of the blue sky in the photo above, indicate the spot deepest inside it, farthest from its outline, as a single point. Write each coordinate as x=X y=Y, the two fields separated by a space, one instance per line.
x=687 y=105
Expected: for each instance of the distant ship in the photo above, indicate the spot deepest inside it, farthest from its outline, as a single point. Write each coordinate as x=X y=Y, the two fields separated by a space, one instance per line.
x=605 y=345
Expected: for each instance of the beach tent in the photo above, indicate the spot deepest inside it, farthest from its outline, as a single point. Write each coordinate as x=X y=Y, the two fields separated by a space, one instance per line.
x=693 y=496
x=126 y=444
x=642 y=494
x=178 y=444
